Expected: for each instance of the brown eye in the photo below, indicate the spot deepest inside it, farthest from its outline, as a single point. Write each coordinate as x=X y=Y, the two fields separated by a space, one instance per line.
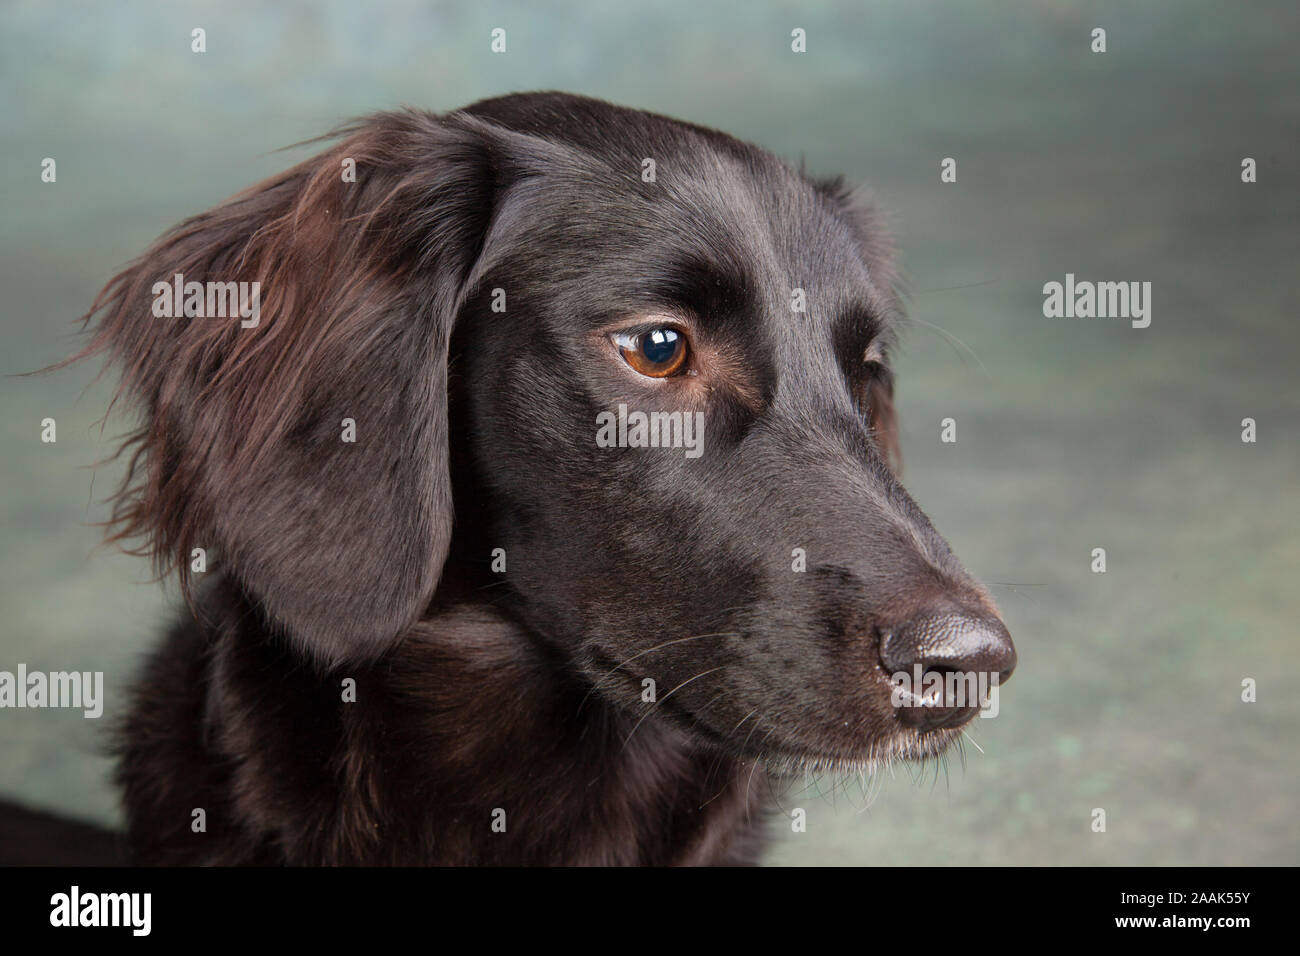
x=658 y=353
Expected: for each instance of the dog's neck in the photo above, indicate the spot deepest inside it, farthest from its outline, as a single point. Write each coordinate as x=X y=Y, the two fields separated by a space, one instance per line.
x=464 y=745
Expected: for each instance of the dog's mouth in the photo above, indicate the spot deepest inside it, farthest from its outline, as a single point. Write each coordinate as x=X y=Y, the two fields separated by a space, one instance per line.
x=925 y=724
x=933 y=700
x=891 y=718
x=787 y=751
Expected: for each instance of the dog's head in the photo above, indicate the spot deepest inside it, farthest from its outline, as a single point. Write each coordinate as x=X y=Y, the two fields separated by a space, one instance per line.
x=632 y=371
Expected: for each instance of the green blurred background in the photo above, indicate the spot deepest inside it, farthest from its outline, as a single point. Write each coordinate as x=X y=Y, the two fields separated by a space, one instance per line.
x=1071 y=434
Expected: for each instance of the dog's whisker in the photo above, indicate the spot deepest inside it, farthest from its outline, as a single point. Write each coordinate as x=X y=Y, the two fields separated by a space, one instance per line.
x=742 y=720
x=952 y=338
x=1014 y=588
x=955 y=288
x=722 y=753
x=658 y=701
x=749 y=781
x=679 y=640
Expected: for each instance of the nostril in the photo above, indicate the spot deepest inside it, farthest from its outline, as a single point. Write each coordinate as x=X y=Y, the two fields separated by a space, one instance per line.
x=953 y=655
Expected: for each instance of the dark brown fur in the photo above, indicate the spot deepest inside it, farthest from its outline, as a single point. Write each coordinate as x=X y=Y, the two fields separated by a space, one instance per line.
x=479 y=692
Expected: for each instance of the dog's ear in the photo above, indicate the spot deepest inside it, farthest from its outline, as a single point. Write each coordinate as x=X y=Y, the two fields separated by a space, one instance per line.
x=302 y=440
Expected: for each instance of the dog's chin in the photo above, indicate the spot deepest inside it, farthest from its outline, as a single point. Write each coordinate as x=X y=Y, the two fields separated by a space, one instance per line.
x=903 y=744
x=802 y=752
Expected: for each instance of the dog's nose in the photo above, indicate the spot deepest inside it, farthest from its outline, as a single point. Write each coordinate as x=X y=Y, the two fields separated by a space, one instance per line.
x=955 y=655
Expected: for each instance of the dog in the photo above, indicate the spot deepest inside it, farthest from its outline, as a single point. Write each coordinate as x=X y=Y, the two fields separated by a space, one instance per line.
x=541 y=495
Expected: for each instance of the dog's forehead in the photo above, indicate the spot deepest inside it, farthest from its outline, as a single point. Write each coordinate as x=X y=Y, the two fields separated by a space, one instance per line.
x=622 y=206
x=710 y=219
x=761 y=207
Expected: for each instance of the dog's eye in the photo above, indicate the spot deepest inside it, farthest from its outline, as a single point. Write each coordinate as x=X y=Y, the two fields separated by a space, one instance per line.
x=658 y=353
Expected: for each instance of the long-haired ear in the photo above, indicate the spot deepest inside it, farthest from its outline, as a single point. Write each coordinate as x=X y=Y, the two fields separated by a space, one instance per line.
x=303 y=437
